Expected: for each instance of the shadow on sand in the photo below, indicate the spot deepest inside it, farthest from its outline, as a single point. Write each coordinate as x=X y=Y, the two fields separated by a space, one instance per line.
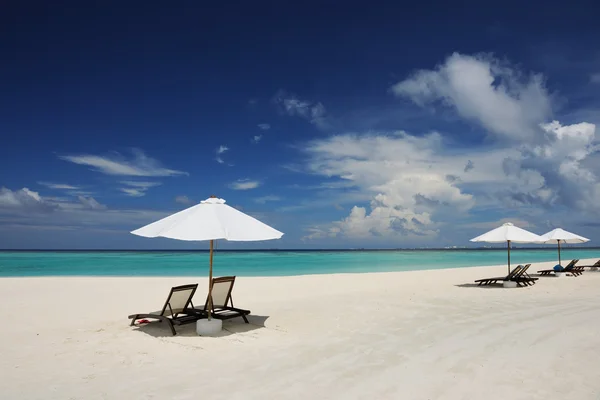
x=475 y=285
x=230 y=327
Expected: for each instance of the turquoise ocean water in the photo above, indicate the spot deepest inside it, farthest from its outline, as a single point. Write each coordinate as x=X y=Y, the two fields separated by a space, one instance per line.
x=268 y=263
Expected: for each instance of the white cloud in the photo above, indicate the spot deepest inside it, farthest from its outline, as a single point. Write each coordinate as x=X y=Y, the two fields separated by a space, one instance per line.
x=183 y=200
x=264 y=127
x=133 y=192
x=26 y=208
x=265 y=199
x=256 y=138
x=419 y=185
x=23 y=199
x=416 y=186
x=139 y=165
x=137 y=188
x=244 y=184
x=91 y=203
x=482 y=89
x=314 y=112
x=65 y=186
x=595 y=78
x=220 y=150
x=406 y=177
x=560 y=178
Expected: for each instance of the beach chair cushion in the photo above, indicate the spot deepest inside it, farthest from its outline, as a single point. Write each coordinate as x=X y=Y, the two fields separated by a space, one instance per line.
x=222 y=302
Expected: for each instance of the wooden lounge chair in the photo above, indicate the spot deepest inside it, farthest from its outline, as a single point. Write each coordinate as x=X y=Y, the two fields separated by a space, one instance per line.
x=491 y=281
x=177 y=309
x=595 y=265
x=518 y=275
x=222 y=304
x=568 y=268
x=523 y=278
x=576 y=271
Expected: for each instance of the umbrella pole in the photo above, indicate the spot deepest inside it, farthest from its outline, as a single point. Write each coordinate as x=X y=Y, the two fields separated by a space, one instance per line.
x=508 y=246
x=210 y=274
x=559 y=252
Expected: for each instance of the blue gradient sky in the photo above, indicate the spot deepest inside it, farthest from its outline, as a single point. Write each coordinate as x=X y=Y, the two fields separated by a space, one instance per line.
x=343 y=125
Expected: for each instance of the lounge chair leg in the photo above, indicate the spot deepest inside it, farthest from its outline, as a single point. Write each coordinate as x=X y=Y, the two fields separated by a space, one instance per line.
x=133 y=320
x=245 y=319
x=170 y=323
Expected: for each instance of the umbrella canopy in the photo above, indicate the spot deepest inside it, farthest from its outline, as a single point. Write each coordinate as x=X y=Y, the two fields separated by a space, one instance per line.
x=508 y=233
x=559 y=236
x=212 y=220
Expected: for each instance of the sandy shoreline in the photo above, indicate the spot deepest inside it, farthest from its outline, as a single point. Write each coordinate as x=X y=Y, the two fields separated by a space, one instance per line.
x=416 y=335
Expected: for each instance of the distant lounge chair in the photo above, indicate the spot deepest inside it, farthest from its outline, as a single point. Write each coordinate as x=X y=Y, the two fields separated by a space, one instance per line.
x=176 y=310
x=569 y=268
x=578 y=270
x=524 y=278
x=595 y=265
x=222 y=304
x=491 y=281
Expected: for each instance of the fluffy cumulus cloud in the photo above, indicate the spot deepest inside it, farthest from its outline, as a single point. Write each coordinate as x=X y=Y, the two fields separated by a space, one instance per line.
x=138 y=165
x=398 y=170
x=557 y=167
x=506 y=102
x=417 y=185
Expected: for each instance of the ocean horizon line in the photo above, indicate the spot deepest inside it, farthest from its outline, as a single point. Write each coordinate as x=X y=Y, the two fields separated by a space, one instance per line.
x=486 y=248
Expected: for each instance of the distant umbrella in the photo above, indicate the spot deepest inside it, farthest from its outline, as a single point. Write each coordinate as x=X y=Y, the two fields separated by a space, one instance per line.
x=508 y=233
x=559 y=236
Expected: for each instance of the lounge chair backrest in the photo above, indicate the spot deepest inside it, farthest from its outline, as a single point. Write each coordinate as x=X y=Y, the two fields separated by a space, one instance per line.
x=524 y=271
x=570 y=266
x=520 y=272
x=179 y=298
x=514 y=272
x=221 y=291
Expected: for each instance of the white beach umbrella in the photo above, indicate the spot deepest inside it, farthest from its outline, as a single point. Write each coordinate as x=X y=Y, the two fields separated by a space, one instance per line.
x=210 y=220
x=508 y=233
x=559 y=236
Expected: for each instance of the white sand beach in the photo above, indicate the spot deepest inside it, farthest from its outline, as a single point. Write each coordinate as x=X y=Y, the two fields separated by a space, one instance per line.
x=405 y=335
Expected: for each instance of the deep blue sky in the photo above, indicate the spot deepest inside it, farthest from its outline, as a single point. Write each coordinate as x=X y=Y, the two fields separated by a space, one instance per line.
x=110 y=112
